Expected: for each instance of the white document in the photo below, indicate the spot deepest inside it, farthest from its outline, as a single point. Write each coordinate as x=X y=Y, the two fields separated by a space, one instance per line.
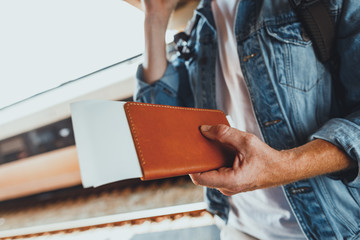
x=104 y=143
x=231 y=122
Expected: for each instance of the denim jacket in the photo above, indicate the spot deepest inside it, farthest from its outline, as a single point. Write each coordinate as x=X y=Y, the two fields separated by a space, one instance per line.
x=295 y=97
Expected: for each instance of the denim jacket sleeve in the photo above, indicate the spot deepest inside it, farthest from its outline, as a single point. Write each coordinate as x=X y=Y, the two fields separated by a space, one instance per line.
x=172 y=88
x=344 y=132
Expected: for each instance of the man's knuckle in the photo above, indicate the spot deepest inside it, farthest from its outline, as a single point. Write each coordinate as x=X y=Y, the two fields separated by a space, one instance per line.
x=250 y=139
x=222 y=132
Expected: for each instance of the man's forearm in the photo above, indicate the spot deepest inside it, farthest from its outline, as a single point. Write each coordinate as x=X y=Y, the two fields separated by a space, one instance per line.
x=315 y=158
x=155 y=61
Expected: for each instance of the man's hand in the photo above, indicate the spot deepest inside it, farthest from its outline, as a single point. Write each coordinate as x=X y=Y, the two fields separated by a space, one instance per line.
x=257 y=165
x=160 y=9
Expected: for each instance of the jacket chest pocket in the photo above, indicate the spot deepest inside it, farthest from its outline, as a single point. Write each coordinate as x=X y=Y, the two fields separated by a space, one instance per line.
x=296 y=64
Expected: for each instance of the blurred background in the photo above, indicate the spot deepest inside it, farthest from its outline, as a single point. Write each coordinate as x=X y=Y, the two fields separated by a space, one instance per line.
x=54 y=52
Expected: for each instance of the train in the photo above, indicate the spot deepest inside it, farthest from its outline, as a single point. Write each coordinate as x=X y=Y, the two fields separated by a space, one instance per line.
x=37 y=146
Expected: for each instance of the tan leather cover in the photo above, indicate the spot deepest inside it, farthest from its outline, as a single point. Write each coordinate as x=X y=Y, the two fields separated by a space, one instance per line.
x=168 y=140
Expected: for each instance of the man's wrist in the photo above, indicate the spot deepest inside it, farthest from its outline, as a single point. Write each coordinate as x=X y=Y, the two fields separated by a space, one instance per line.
x=155 y=22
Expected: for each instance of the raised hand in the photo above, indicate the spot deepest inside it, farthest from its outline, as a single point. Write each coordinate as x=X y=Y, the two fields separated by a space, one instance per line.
x=157 y=15
x=159 y=9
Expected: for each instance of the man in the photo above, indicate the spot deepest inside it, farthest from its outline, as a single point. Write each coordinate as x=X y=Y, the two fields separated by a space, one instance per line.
x=296 y=171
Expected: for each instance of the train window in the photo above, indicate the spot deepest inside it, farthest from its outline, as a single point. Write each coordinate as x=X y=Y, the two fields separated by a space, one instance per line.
x=45 y=139
x=13 y=149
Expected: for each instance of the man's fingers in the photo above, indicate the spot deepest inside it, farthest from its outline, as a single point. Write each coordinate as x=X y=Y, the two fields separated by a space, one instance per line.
x=218 y=179
x=227 y=192
x=213 y=179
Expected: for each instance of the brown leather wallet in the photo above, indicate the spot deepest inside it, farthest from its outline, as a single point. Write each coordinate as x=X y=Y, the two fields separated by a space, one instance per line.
x=169 y=143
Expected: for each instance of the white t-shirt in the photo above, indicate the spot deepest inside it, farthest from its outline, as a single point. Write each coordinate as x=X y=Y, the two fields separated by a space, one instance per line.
x=265 y=213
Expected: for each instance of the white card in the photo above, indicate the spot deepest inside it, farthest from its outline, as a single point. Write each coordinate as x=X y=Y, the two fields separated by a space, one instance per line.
x=104 y=143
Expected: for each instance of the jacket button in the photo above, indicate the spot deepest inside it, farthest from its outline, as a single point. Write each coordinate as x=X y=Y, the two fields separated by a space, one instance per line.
x=246 y=58
x=300 y=190
x=304 y=35
x=270 y=123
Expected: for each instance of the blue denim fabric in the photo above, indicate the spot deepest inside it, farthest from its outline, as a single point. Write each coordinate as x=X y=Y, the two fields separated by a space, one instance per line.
x=296 y=99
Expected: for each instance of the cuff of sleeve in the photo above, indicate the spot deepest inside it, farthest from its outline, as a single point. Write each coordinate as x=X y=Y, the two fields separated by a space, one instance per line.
x=166 y=87
x=169 y=78
x=345 y=135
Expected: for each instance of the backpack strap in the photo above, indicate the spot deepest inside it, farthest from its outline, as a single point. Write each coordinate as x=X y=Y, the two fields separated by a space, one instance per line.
x=319 y=25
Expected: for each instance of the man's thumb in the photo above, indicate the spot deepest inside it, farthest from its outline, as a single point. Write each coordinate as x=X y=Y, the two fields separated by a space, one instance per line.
x=221 y=132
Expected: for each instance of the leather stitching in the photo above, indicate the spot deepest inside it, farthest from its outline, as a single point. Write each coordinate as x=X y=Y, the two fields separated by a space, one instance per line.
x=132 y=126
